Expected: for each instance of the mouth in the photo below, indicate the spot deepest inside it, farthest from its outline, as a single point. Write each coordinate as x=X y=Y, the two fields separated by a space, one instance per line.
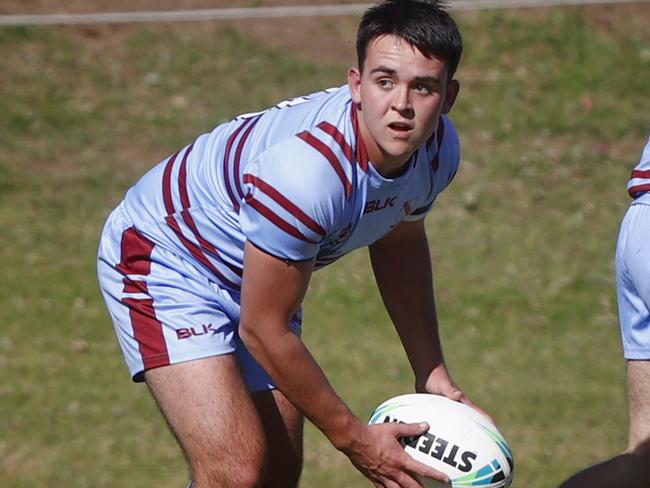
x=400 y=128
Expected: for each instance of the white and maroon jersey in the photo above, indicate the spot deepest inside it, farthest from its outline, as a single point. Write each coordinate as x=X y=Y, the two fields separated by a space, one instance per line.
x=640 y=180
x=294 y=180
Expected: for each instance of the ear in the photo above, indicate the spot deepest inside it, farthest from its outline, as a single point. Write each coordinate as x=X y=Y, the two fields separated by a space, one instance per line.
x=354 y=82
x=453 y=87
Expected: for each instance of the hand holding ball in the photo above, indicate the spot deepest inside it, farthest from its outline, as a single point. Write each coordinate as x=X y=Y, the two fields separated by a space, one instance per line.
x=460 y=442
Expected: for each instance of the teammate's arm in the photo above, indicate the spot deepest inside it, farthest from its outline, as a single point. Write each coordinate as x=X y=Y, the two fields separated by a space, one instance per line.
x=272 y=291
x=402 y=266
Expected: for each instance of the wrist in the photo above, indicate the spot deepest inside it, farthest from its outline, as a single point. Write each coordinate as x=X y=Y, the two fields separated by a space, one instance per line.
x=428 y=367
x=424 y=376
x=346 y=433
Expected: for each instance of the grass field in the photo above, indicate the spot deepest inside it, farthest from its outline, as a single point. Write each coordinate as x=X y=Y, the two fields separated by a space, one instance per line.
x=553 y=113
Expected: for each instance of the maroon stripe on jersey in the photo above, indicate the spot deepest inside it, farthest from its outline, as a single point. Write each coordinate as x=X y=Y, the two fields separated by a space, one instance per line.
x=240 y=148
x=205 y=244
x=441 y=131
x=641 y=173
x=440 y=134
x=327 y=260
x=338 y=137
x=197 y=253
x=433 y=134
x=330 y=156
x=182 y=179
x=187 y=217
x=173 y=224
x=136 y=259
x=278 y=221
x=634 y=190
x=284 y=203
x=226 y=159
x=167 y=187
x=362 y=151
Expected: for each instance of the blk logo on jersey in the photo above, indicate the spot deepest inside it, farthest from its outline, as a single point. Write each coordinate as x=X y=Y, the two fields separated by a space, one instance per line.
x=187 y=332
x=376 y=205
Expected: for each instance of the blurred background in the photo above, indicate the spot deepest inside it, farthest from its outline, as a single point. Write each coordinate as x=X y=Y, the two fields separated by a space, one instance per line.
x=553 y=113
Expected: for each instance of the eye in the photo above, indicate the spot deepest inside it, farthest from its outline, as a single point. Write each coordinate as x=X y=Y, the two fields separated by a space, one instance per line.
x=385 y=83
x=422 y=88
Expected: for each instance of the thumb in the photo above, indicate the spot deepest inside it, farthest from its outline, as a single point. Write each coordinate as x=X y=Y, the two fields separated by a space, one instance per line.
x=450 y=390
x=411 y=430
x=455 y=394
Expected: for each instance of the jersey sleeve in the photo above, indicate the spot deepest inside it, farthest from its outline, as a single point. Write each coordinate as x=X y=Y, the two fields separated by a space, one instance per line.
x=443 y=159
x=639 y=181
x=290 y=203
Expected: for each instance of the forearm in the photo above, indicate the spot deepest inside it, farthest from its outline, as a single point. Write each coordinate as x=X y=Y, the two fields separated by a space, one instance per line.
x=402 y=268
x=302 y=381
x=264 y=328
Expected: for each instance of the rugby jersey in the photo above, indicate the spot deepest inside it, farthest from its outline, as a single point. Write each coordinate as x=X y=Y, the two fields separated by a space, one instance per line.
x=295 y=180
x=640 y=180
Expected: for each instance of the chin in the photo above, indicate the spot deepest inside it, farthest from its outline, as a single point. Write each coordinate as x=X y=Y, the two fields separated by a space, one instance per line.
x=402 y=152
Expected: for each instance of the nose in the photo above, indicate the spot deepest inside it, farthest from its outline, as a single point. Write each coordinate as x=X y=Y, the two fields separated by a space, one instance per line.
x=402 y=100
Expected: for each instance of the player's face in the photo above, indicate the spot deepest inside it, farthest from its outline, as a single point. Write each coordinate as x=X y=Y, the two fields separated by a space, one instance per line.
x=401 y=94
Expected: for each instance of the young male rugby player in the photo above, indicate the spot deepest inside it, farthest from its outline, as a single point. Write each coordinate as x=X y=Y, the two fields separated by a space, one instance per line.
x=632 y=468
x=206 y=261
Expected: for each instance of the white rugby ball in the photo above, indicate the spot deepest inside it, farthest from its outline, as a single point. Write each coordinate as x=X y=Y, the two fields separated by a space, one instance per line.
x=460 y=442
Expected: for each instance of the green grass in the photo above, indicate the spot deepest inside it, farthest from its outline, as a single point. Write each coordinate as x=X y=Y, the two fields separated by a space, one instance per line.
x=552 y=115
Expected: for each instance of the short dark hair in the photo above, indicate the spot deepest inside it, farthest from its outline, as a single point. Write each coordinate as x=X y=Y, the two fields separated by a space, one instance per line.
x=424 y=24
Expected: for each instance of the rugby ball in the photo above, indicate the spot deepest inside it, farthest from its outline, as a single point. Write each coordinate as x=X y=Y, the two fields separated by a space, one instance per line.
x=460 y=442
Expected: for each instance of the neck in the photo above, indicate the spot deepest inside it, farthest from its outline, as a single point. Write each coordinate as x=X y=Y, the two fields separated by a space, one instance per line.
x=391 y=171
x=385 y=164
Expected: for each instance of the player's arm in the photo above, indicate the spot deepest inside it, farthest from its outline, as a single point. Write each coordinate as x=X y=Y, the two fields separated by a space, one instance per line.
x=402 y=266
x=272 y=291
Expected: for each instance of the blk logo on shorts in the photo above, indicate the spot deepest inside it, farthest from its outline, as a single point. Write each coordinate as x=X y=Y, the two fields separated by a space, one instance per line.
x=187 y=332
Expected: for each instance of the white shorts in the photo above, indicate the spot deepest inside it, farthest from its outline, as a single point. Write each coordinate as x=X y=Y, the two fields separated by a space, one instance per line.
x=633 y=279
x=164 y=309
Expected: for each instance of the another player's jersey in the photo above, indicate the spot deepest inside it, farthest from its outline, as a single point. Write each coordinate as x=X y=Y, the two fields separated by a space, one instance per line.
x=640 y=180
x=294 y=180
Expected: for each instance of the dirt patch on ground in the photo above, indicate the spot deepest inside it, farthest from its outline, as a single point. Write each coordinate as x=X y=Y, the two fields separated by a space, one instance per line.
x=323 y=39
x=327 y=39
x=84 y=6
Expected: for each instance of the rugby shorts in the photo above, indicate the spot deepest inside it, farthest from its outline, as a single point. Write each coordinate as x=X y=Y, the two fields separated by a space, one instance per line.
x=633 y=279
x=165 y=310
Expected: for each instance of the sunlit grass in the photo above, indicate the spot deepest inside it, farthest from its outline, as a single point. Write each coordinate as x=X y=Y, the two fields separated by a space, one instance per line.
x=552 y=115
